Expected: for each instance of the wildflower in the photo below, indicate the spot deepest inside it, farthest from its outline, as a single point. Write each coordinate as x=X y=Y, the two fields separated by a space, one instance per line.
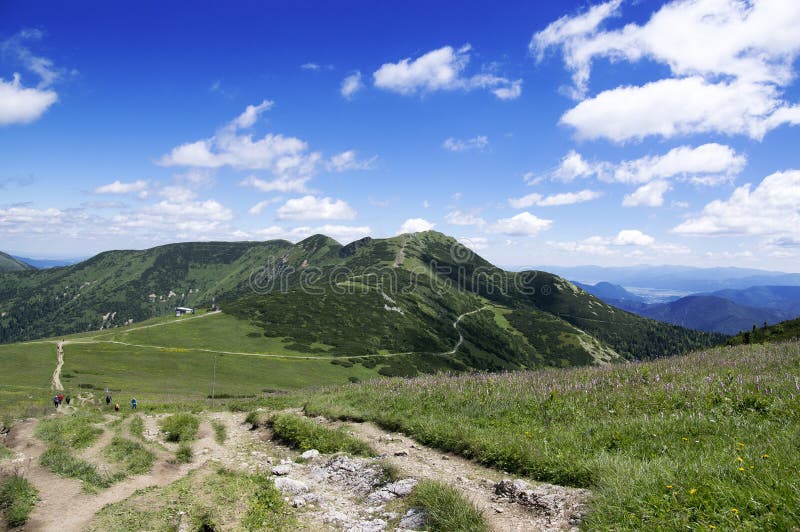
x=765 y=456
x=741 y=469
x=692 y=491
x=739 y=459
x=685 y=439
x=712 y=527
x=669 y=486
x=734 y=511
x=740 y=445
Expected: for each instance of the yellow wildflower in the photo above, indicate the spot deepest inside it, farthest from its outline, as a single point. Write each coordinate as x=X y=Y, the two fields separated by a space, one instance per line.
x=734 y=511
x=739 y=459
x=685 y=439
x=692 y=491
x=764 y=455
x=741 y=469
x=712 y=527
x=669 y=486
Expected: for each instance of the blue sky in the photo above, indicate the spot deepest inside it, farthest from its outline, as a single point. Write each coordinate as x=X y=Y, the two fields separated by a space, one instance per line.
x=607 y=133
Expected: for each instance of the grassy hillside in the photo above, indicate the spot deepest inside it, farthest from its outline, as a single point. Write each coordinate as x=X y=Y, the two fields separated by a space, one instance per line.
x=10 y=264
x=708 y=440
x=785 y=330
x=399 y=296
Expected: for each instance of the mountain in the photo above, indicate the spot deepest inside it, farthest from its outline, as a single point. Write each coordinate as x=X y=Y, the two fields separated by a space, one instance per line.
x=607 y=291
x=415 y=295
x=12 y=264
x=705 y=313
x=685 y=279
x=47 y=263
x=781 y=298
x=779 y=332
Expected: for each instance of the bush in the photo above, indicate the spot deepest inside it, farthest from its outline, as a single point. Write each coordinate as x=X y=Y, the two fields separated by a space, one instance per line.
x=58 y=460
x=75 y=431
x=17 y=498
x=184 y=453
x=305 y=434
x=446 y=508
x=180 y=427
x=265 y=507
x=136 y=459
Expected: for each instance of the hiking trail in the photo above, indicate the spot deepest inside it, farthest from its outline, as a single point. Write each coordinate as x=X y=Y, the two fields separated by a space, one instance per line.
x=55 y=382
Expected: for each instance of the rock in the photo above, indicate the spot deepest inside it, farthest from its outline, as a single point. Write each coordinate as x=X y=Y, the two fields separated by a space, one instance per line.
x=414 y=519
x=401 y=488
x=401 y=453
x=290 y=485
x=498 y=510
x=310 y=454
x=283 y=469
x=518 y=491
x=445 y=457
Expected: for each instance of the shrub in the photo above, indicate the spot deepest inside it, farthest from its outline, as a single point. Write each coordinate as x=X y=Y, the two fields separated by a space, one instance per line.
x=184 y=453
x=305 y=434
x=180 y=427
x=136 y=459
x=17 y=498
x=446 y=508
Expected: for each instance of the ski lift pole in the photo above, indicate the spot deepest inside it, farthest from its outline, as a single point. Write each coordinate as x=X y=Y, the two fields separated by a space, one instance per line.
x=213 y=379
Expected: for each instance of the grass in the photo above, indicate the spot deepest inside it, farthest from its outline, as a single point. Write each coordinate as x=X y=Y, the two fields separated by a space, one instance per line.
x=25 y=372
x=133 y=456
x=74 y=431
x=136 y=427
x=220 y=432
x=305 y=434
x=184 y=454
x=446 y=508
x=180 y=427
x=60 y=461
x=233 y=500
x=18 y=497
x=710 y=439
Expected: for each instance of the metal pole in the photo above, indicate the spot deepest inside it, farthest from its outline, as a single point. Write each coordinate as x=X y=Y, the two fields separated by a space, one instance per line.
x=213 y=380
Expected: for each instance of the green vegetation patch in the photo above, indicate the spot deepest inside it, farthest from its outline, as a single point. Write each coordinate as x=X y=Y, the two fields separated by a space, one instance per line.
x=184 y=454
x=17 y=500
x=707 y=439
x=220 y=431
x=446 y=508
x=180 y=427
x=136 y=427
x=132 y=455
x=60 y=461
x=75 y=431
x=219 y=499
x=304 y=434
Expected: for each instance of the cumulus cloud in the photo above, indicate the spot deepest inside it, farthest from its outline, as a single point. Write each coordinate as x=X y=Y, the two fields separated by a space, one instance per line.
x=730 y=61
x=310 y=66
x=463 y=218
x=523 y=224
x=475 y=243
x=441 y=69
x=771 y=208
x=573 y=166
x=347 y=160
x=251 y=113
x=261 y=205
x=415 y=225
x=22 y=105
x=280 y=184
x=313 y=208
x=351 y=85
x=118 y=187
x=564 y=198
x=697 y=164
x=629 y=242
x=649 y=195
x=476 y=143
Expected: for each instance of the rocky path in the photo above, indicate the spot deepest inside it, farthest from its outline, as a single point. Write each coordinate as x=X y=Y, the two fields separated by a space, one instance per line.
x=455 y=326
x=55 y=382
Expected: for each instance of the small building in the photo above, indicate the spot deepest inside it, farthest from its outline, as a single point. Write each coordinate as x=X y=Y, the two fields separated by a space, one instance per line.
x=180 y=311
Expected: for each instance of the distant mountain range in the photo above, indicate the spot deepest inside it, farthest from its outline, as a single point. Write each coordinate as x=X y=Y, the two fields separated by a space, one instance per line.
x=12 y=264
x=725 y=311
x=684 y=280
x=43 y=264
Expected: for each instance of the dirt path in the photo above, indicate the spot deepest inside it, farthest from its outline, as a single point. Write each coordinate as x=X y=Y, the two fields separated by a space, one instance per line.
x=461 y=336
x=55 y=382
x=561 y=507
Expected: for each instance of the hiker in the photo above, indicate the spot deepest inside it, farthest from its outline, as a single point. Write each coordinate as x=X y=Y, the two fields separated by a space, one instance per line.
x=108 y=399
x=116 y=407
x=60 y=398
x=133 y=403
x=67 y=399
x=55 y=401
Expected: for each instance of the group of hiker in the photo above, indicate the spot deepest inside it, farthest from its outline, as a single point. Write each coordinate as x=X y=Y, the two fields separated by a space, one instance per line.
x=58 y=399
x=116 y=405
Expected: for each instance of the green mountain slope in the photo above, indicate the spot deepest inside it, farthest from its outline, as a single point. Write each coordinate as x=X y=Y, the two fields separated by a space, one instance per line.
x=408 y=304
x=10 y=264
x=780 y=332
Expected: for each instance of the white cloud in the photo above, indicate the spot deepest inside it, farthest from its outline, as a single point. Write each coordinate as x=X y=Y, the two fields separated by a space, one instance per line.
x=730 y=60
x=772 y=208
x=573 y=166
x=632 y=237
x=280 y=184
x=523 y=224
x=463 y=218
x=347 y=160
x=564 y=198
x=475 y=143
x=441 y=69
x=314 y=208
x=628 y=242
x=118 y=187
x=351 y=85
x=415 y=225
x=649 y=195
x=287 y=158
x=310 y=66
x=701 y=163
x=681 y=106
x=261 y=205
x=251 y=113
x=22 y=105
x=177 y=194
x=475 y=243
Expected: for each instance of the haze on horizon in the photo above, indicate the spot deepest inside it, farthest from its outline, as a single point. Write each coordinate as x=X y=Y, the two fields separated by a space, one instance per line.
x=565 y=133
